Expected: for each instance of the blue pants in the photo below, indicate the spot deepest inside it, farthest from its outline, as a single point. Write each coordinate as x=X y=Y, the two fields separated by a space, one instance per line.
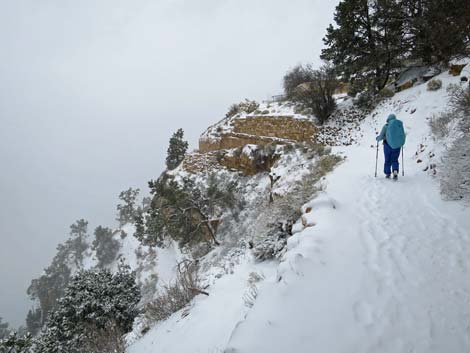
x=391 y=159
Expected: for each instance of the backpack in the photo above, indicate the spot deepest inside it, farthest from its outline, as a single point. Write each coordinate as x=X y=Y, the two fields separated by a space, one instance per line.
x=395 y=134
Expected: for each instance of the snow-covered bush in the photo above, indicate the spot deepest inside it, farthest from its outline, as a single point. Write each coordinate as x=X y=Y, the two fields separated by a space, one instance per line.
x=15 y=343
x=365 y=101
x=440 y=124
x=176 y=295
x=98 y=308
x=455 y=175
x=251 y=293
x=459 y=100
x=455 y=182
x=386 y=93
x=247 y=106
x=271 y=247
x=326 y=164
x=434 y=85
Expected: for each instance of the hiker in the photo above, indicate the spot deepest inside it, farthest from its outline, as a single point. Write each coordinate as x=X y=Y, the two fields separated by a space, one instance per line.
x=393 y=136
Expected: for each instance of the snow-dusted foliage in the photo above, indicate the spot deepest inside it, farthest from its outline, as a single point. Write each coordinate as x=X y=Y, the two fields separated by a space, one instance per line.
x=4 y=331
x=246 y=106
x=452 y=128
x=127 y=209
x=186 y=210
x=455 y=183
x=176 y=150
x=16 y=343
x=50 y=286
x=316 y=94
x=271 y=247
x=98 y=308
x=434 y=85
x=273 y=200
x=105 y=246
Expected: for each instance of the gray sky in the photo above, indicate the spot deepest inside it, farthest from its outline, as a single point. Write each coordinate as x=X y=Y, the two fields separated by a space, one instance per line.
x=91 y=90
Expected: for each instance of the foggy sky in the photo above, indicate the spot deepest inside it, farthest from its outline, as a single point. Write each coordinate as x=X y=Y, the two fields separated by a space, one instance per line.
x=91 y=90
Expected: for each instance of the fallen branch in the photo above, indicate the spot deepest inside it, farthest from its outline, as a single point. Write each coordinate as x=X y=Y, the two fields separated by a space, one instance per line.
x=199 y=291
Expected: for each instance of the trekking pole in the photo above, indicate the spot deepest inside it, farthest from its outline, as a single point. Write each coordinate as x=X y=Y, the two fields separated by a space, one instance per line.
x=402 y=161
x=376 y=158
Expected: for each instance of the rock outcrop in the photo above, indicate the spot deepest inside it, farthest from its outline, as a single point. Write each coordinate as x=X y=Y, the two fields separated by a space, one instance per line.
x=259 y=130
x=223 y=144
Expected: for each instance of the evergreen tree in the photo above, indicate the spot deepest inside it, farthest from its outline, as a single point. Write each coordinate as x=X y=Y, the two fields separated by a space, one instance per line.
x=77 y=242
x=98 y=308
x=33 y=321
x=16 y=343
x=185 y=212
x=50 y=287
x=4 y=331
x=176 y=150
x=437 y=30
x=79 y=228
x=127 y=209
x=366 y=44
x=105 y=245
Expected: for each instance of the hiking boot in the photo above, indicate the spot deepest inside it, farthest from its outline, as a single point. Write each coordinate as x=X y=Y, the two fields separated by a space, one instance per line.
x=395 y=175
x=387 y=176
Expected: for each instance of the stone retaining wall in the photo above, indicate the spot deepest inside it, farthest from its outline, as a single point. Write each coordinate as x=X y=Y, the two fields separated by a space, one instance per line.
x=261 y=130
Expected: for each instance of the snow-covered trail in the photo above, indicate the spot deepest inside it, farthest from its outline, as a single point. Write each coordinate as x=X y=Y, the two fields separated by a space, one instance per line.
x=388 y=270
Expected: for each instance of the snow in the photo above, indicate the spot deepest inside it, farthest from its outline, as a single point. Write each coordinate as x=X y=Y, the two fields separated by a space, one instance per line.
x=212 y=319
x=167 y=260
x=384 y=269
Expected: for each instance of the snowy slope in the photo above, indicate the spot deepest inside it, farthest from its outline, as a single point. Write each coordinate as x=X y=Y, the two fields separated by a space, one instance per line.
x=384 y=269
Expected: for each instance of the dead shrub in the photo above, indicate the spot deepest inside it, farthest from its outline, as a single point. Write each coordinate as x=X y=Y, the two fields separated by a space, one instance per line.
x=246 y=106
x=176 y=295
x=434 y=85
x=440 y=124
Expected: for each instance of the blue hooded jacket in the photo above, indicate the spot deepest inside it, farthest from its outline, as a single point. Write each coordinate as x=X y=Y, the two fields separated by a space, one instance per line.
x=396 y=135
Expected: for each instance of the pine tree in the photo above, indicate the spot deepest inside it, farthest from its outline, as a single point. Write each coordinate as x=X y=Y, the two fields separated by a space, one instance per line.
x=33 y=321
x=127 y=209
x=366 y=44
x=186 y=212
x=77 y=242
x=50 y=287
x=105 y=245
x=176 y=150
x=437 y=30
x=4 y=331
x=79 y=228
